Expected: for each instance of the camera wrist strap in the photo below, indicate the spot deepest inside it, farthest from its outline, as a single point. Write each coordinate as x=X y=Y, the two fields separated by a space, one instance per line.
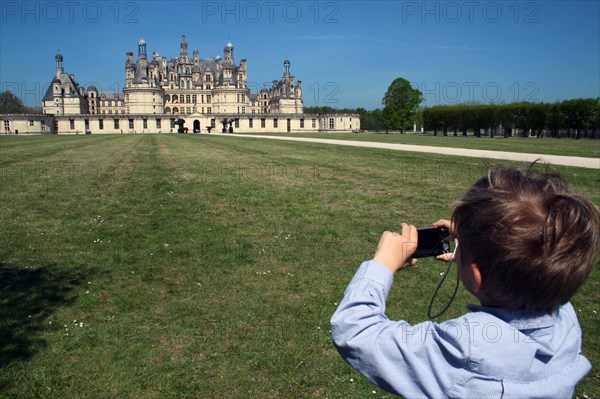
x=435 y=293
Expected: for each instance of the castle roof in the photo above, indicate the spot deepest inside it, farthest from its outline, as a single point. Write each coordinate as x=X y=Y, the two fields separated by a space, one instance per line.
x=67 y=83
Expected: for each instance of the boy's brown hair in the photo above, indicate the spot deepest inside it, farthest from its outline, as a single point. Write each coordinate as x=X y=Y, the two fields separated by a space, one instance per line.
x=534 y=241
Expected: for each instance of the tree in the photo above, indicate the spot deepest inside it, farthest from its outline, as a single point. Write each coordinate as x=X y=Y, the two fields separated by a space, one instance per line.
x=400 y=102
x=579 y=114
x=10 y=104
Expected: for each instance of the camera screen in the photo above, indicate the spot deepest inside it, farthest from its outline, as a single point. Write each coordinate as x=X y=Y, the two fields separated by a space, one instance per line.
x=433 y=241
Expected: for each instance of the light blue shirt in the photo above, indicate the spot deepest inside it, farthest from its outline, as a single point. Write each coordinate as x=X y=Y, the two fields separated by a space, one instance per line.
x=486 y=353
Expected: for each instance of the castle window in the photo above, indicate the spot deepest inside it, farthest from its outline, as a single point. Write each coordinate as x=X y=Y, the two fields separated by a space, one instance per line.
x=157 y=123
x=275 y=122
x=331 y=123
x=188 y=98
x=72 y=123
x=208 y=98
x=301 y=123
x=243 y=110
x=250 y=123
x=314 y=123
x=131 y=123
x=87 y=125
x=263 y=123
x=30 y=123
x=237 y=123
x=145 y=123
x=194 y=99
x=213 y=123
x=7 y=126
x=209 y=110
x=101 y=124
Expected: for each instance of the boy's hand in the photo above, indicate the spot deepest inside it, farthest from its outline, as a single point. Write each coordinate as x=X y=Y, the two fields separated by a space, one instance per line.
x=395 y=250
x=447 y=224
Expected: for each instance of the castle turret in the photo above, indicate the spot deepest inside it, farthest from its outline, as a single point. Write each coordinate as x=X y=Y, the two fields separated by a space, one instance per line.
x=183 y=54
x=141 y=70
x=129 y=69
x=59 y=65
x=228 y=52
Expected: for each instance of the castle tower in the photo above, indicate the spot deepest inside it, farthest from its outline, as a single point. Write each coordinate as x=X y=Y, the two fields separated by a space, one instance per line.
x=228 y=64
x=129 y=69
x=59 y=65
x=183 y=53
x=141 y=70
x=142 y=49
x=228 y=52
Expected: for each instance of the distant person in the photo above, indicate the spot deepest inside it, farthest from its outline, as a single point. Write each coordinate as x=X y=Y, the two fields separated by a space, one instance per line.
x=525 y=245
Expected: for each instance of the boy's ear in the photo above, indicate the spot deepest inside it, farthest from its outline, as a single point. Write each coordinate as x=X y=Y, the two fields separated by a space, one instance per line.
x=477 y=280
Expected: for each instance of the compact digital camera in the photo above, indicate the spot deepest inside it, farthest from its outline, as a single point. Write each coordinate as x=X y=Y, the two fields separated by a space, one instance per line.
x=433 y=241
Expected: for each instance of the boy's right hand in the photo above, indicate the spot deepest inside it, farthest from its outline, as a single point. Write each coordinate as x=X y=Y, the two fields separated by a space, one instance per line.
x=395 y=250
x=447 y=257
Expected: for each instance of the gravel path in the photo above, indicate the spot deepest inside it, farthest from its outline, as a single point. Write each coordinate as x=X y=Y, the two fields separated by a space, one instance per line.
x=590 y=163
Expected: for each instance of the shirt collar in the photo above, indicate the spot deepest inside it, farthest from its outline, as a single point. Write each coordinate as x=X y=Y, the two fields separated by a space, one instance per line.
x=519 y=317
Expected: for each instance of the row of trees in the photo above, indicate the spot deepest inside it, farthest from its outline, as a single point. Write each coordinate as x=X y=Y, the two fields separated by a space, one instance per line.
x=11 y=104
x=572 y=118
x=577 y=118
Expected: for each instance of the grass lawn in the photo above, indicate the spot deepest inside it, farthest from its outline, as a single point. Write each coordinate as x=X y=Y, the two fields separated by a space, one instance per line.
x=186 y=266
x=569 y=147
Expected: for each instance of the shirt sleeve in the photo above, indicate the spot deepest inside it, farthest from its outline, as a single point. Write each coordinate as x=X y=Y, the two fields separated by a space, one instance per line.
x=422 y=360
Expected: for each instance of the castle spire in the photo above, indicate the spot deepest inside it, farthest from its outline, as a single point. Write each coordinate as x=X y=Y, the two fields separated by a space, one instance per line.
x=184 y=48
x=141 y=48
x=59 y=65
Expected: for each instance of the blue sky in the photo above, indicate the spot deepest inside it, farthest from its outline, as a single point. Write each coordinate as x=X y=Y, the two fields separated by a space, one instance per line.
x=345 y=52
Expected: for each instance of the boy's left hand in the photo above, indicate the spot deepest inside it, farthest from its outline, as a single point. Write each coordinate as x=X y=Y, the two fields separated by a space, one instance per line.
x=395 y=250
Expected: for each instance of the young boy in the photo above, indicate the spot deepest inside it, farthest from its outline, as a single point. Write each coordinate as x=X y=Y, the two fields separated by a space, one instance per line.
x=525 y=245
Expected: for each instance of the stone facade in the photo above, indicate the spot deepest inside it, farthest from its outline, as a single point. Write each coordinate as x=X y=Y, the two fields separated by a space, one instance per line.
x=27 y=124
x=189 y=94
